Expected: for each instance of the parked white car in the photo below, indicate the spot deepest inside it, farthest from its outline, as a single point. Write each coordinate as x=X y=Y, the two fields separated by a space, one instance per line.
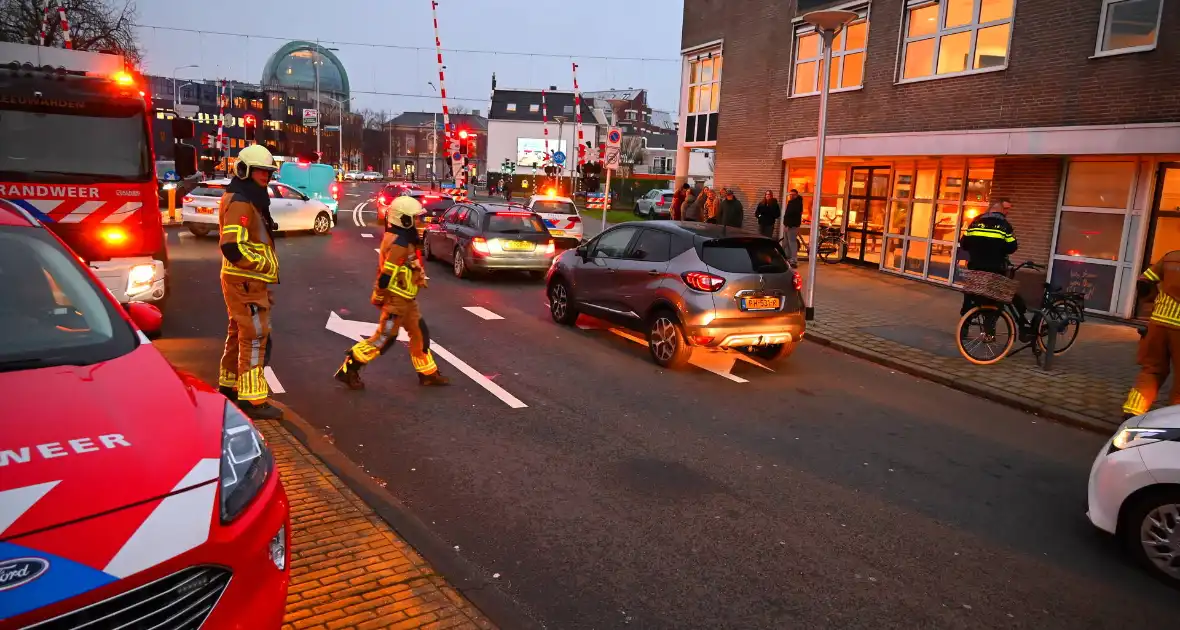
x=1135 y=490
x=291 y=209
x=371 y=176
x=352 y=176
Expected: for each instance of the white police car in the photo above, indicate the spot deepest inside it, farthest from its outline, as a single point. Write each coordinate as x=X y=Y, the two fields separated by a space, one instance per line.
x=560 y=216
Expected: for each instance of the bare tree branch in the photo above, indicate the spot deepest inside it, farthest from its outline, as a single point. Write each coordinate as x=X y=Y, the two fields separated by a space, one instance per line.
x=96 y=25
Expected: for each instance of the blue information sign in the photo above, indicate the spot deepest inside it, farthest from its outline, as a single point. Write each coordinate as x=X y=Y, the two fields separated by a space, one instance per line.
x=171 y=176
x=558 y=157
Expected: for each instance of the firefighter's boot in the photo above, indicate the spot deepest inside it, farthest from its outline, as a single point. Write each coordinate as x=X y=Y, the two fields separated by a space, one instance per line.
x=350 y=373
x=434 y=379
x=264 y=411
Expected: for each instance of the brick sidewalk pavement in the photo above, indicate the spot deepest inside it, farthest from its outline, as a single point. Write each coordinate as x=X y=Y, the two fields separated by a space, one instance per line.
x=911 y=325
x=349 y=569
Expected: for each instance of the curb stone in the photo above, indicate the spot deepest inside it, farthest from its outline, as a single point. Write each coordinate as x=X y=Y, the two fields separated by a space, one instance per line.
x=969 y=386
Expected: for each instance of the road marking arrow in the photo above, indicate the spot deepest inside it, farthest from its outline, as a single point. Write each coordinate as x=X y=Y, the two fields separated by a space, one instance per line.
x=719 y=362
x=357 y=330
x=273 y=381
x=481 y=312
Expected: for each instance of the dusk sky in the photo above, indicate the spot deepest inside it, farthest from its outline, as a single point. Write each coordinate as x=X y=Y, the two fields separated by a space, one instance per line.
x=648 y=29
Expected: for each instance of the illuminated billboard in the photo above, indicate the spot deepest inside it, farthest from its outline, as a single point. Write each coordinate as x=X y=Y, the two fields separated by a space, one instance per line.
x=531 y=151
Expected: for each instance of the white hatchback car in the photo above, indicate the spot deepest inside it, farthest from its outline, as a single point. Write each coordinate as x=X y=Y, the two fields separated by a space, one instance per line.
x=291 y=209
x=561 y=218
x=1135 y=490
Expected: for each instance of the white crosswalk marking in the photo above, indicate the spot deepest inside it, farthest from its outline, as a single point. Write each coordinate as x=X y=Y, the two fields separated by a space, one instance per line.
x=363 y=235
x=273 y=381
x=481 y=312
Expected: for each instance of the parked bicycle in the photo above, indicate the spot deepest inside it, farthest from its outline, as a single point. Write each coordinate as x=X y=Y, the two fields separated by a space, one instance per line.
x=988 y=331
x=832 y=244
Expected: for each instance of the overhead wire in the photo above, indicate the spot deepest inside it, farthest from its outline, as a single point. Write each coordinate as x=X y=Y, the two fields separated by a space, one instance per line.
x=415 y=48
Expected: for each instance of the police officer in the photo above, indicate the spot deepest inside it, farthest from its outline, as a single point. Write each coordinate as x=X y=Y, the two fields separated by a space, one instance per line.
x=248 y=267
x=1159 y=349
x=400 y=276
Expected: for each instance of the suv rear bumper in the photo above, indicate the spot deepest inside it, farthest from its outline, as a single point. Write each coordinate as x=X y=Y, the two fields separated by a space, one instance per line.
x=741 y=333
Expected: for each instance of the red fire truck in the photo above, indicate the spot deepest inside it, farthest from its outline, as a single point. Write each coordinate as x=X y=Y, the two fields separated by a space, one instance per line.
x=78 y=157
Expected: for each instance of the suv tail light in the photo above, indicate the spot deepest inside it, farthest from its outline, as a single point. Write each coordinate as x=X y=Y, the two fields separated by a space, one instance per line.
x=702 y=281
x=549 y=248
x=336 y=192
x=383 y=200
x=660 y=203
x=798 y=281
x=480 y=244
x=187 y=199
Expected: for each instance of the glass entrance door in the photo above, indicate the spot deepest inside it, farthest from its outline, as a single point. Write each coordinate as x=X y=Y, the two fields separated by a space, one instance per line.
x=865 y=224
x=1163 y=234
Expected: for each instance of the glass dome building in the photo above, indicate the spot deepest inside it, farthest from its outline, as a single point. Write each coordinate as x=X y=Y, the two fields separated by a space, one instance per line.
x=293 y=68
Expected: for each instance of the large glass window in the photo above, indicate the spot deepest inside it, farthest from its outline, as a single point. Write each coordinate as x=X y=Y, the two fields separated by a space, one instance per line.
x=1099 y=184
x=1129 y=25
x=848 y=57
x=704 y=96
x=832 y=197
x=951 y=37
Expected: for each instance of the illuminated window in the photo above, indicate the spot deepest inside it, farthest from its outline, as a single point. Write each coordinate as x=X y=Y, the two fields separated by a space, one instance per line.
x=704 y=96
x=954 y=37
x=511 y=107
x=1129 y=26
x=848 y=57
x=534 y=108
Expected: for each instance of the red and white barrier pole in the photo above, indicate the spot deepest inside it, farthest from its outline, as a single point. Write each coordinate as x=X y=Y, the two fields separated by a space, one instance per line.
x=449 y=132
x=62 y=20
x=578 y=117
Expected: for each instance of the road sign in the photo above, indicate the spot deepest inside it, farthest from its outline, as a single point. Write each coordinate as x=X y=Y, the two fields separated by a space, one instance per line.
x=456 y=156
x=184 y=110
x=611 y=157
x=311 y=118
x=171 y=176
x=558 y=157
x=614 y=137
x=331 y=127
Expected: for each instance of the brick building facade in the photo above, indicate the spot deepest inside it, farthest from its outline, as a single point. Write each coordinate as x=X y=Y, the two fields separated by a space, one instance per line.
x=1071 y=110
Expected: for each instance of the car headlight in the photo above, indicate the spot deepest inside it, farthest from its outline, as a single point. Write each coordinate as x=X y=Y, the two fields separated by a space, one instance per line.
x=246 y=463
x=1132 y=437
x=139 y=278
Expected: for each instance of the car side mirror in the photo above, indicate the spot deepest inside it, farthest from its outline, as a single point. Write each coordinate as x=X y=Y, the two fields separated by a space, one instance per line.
x=582 y=251
x=146 y=317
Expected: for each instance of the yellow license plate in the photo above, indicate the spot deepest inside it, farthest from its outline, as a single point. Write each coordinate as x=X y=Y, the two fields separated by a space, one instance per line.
x=762 y=304
x=557 y=232
x=518 y=246
x=430 y=219
x=204 y=210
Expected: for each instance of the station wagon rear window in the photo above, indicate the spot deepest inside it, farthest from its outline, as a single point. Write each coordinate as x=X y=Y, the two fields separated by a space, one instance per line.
x=208 y=191
x=515 y=222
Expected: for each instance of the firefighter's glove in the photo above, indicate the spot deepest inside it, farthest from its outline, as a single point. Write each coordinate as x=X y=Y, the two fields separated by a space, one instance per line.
x=383 y=280
x=1144 y=287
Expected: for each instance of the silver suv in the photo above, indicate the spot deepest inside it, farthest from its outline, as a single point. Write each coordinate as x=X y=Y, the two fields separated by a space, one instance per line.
x=685 y=285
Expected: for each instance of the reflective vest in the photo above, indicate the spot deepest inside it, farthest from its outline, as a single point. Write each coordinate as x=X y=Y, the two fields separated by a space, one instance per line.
x=401 y=280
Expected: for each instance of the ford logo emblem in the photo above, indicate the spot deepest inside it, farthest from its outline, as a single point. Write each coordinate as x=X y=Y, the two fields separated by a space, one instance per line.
x=20 y=571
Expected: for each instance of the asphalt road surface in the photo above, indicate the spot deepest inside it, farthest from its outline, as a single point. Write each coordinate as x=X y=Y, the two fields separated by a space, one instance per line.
x=608 y=493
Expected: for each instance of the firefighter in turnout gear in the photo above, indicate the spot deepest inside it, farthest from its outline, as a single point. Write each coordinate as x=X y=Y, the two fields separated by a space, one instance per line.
x=248 y=267
x=399 y=278
x=1159 y=349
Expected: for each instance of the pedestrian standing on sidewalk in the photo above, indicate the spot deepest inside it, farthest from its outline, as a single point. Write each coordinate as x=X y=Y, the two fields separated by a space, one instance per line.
x=678 y=202
x=708 y=205
x=508 y=192
x=730 y=211
x=1159 y=349
x=767 y=213
x=792 y=219
x=691 y=208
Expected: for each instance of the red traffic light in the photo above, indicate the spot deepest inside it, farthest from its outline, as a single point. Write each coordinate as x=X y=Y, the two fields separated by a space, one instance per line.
x=249 y=120
x=462 y=134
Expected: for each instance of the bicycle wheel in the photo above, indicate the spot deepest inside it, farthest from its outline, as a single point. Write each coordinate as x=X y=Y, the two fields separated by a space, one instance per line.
x=830 y=251
x=1061 y=309
x=986 y=334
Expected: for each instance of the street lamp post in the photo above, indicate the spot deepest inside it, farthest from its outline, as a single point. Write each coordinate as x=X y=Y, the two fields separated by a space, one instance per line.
x=828 y=24
x=315 y=64
x=176 y=94
x=433 y=134
x=340 y=109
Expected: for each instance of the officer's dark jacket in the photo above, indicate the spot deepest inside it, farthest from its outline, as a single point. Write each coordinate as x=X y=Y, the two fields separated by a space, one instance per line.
x=989 y=241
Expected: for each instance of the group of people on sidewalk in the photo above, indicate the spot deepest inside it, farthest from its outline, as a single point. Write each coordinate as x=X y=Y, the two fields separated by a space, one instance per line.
x=702 y=204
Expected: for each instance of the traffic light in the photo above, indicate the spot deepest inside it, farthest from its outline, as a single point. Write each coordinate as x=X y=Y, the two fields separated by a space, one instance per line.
x=463 y=142
x=250 y=122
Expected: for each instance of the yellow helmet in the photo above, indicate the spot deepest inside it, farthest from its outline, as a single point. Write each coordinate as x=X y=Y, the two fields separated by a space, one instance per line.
x=252 y=157
x=405 y=206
